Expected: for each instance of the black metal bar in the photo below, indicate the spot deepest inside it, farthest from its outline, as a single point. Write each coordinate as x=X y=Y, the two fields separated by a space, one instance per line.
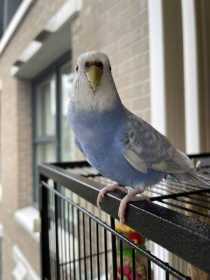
x=57 y=235
x=149 y=269
x=55 y=267
x=70 y=164
x=187 y=205
x=175 y=195
x=185 y=198
x=50 y=229
x=167 y=275
x=61 y=236
x=200 y=155
x=121 y=260
x=84 y=245
x=105 y=254
x=67 y=262
x=101 y=253
x=140 y=250
x=65 y=236
x=73 y=240
x=79 y=239
x=162 y=225
x=114 y=251
x=185 y=208
x=184 y=184
x=90 y=240
x=188 y=201
x=97 y=251
x=44 y=238
x=69 y=239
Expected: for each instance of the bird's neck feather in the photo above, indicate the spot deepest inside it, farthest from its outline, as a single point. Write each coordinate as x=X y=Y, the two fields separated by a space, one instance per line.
x=94 y=123
x=105 y=98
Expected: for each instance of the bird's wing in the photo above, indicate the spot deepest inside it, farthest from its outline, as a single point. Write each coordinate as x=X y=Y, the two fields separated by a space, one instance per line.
x=145 y=148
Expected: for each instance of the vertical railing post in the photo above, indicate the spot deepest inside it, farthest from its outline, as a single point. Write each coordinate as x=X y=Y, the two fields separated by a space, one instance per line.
x=114 y=251
x=149 y=269
x=57 y=234
x=44 y=234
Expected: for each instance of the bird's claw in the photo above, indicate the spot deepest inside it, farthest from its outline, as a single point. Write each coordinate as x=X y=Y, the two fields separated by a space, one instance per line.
x=122 y=211
x=130 y=196
x=124 y=203
x=100 y=198
x=109 y=188
x=121 y=217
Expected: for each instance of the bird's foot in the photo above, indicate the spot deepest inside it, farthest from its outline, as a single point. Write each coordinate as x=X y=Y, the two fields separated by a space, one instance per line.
x=107 y=189
x=131 y=196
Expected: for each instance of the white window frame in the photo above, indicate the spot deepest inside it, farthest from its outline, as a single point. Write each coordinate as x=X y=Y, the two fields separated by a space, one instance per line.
x=192 y=133
x=14 y=23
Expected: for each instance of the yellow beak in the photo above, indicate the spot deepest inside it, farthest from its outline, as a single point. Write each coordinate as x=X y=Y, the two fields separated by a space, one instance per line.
x=94 y=74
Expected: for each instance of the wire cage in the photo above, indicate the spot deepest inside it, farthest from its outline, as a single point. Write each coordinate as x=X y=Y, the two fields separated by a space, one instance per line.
x=78 y=241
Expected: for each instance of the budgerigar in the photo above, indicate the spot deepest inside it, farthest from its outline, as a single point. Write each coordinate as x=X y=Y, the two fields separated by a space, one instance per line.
x=120 y=145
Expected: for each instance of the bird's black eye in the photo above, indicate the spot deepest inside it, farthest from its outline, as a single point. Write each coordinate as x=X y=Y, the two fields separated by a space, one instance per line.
x=77 y=68
x=99 y=64
x=110 y=68
x=87 y=64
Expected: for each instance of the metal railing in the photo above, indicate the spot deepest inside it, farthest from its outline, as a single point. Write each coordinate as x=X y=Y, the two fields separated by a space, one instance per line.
x=80 y=242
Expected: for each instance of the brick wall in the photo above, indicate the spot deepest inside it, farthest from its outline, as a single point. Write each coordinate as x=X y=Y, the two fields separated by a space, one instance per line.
x=120 y=29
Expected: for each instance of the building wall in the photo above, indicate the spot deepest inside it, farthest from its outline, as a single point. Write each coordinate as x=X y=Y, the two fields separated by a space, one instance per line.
x=174 y=74
x=119 y=28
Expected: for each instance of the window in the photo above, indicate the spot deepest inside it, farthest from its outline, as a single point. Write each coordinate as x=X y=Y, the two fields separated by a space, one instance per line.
x=1 y=18
x=45 y=131
x=7 y=10
x=53 y=139
x=67 y=141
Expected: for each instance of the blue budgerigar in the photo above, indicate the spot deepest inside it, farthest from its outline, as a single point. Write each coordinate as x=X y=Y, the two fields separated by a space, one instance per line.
x=122 y=146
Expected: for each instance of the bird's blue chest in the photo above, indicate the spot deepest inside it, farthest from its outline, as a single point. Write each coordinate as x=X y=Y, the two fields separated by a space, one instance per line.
x=94 y=134
x=99 y=138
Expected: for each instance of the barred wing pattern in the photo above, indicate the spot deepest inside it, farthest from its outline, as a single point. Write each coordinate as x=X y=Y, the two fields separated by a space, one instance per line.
x=145 y=148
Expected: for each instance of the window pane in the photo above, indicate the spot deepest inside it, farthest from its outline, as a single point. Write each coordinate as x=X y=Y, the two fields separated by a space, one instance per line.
x=46 y=109
x=45 y=153
x=45 y=126
x=9 y=8
x=67 y=138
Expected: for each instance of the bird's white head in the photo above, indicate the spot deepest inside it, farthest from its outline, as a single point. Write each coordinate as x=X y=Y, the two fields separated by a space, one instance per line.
x=93 y=86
